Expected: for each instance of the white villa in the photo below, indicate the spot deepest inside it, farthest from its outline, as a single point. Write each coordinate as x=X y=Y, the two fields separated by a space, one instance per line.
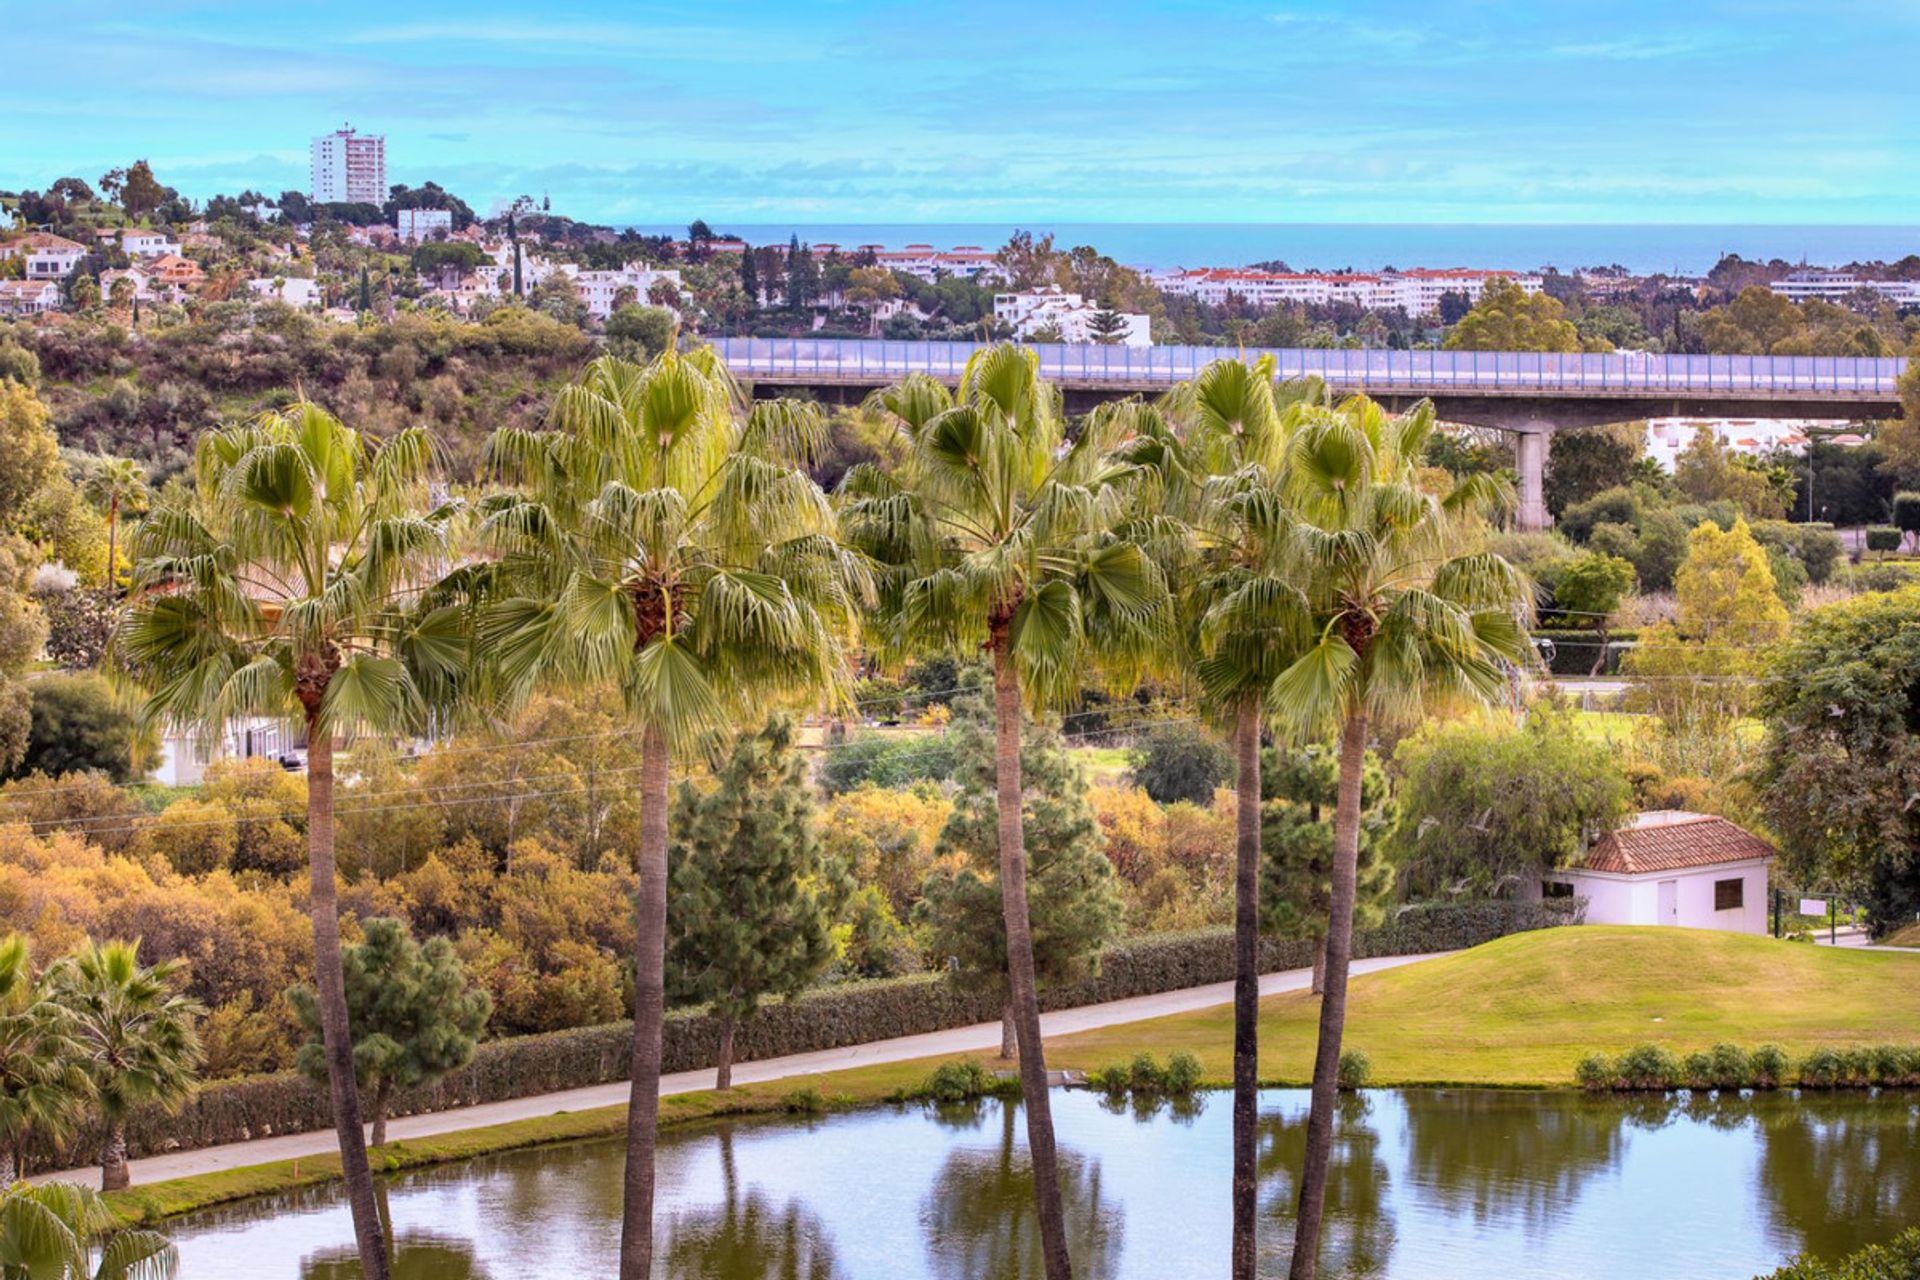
x=1671 y=867
x=1068 y=313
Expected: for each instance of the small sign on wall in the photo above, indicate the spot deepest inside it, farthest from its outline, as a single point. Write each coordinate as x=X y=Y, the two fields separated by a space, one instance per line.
x=1813 y=906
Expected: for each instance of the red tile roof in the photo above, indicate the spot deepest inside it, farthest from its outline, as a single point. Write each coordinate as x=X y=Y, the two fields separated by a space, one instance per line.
x=1673 y=840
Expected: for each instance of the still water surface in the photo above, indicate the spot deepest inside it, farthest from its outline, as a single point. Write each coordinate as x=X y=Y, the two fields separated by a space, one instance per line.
x=1426 y=1184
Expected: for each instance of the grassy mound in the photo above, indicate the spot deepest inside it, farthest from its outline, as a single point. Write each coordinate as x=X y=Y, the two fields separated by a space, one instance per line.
x=1907 y=937
x=1524 y=1009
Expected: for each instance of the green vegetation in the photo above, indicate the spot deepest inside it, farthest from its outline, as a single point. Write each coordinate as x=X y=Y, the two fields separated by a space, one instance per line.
x=51 y=1232
x=753 y=897
x=413 y=1014
x=1897 y=1260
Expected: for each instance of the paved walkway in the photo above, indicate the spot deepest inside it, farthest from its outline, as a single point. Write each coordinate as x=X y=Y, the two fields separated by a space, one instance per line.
x=983 y=1037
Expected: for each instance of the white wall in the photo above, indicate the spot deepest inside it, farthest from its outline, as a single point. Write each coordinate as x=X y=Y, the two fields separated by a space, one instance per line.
x=1622 y=899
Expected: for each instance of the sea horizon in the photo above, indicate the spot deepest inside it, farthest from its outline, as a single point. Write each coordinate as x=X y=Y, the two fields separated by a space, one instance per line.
x=1642 y=248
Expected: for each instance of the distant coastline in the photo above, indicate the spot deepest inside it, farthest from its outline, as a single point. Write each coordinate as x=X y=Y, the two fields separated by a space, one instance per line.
x=1686 y=249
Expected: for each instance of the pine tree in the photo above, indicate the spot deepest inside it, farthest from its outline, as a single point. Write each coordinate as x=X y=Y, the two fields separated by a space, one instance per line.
x=751 y=895
x=803 y=277
x=1072 y=892
x=413 y=1013
x=750 y=277
x=1300 y=786
x=1107 y=326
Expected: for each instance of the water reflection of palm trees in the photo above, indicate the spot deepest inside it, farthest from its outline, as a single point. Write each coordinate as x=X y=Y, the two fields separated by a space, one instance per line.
x=747 y=1236
x=1506 y=1155
x=978 y=1220
x=417 y=1255
x=1841 y=1170
x=1357 y=1236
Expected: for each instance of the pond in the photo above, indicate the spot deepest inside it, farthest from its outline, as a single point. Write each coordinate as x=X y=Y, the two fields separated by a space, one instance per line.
x=1426 y=1183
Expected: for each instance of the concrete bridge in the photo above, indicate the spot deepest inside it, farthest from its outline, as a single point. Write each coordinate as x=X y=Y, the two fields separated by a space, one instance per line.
x=1529 y=393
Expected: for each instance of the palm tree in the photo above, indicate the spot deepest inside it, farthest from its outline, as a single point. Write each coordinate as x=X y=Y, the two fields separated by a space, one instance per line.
x=117 y=484
x=293 y=590
x=999 y=533
x=1215 y=451
x=137 y=1038
x=1406 y=609
x=664 y=542
x=41 y=1085
x=47 y=1233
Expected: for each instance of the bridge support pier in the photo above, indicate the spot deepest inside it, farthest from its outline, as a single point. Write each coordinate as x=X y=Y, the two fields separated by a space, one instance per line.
x=1531 y=455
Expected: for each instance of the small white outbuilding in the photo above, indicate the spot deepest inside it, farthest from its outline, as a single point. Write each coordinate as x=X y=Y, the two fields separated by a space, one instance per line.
x=1671 y=867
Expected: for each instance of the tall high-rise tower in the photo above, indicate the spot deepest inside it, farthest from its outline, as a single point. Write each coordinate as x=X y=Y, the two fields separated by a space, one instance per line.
x=350 y=167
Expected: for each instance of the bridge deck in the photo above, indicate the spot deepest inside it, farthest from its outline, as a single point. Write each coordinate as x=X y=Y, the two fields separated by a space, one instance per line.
x=1824 y=380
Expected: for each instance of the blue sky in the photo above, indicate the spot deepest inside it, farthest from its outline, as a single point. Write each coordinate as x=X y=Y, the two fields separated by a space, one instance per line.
x=842 y=110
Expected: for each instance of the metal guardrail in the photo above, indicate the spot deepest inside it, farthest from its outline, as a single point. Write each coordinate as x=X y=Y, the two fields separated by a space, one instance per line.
x=875 y=361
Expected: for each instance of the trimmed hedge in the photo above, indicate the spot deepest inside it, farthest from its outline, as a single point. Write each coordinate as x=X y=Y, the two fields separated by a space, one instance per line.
x=1650 y=1068
x=829 y=1017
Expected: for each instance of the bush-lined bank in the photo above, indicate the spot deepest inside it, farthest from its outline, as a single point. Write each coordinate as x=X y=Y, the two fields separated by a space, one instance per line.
x=1654 y=1068
x=856 y=1013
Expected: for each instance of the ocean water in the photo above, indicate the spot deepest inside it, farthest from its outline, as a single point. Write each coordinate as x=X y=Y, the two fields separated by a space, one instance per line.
x=1643 y=248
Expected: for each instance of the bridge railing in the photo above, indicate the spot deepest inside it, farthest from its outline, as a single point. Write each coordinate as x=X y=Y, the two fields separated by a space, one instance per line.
x=875 y=361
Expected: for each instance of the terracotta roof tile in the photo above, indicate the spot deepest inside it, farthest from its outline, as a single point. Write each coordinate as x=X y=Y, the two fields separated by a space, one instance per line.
x=1672 y=840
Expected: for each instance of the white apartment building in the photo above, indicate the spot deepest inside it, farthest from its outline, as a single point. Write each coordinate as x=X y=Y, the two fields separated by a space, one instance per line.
x=1667 y=438
x=28 y=297
x=51 y=257
x=1068 y=313
x=295 y=291
x=1835 y=286
x=598 y=289
x=416 y=225
x=924 y=262
x=140 y=243
x=1416 y=291
x=349 y=167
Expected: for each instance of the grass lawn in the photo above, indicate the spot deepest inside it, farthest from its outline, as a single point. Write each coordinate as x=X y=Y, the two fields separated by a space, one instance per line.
x=1523 y=1010
x=1519 y=1011
x=1105 y=766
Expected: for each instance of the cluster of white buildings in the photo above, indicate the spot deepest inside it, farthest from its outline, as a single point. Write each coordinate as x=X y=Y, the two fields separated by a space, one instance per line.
x=1812 y=284
x=1668 y=438
x=1415 y=291
x=1053 y=310
x=348 y=167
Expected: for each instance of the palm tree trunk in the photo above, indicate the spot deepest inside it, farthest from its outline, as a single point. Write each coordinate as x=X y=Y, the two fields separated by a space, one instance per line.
x=113 y=530
x=329 y=984
x=1246 y=985
x=381 y=1092
x=723 y=1068
x=649 y=1011
x=1009 y=1041
x=113 y=1157
x=1020 y=973
x=1319 y=982
x=9 y=1168
x=1333 y=1004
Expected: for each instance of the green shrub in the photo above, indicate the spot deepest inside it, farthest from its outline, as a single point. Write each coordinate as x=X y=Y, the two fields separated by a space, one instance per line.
x=1182 y=1075
x=1899 y=1259
x=886 y=761
x=1649 y=1067
x=1113 y=1080
x=1595 y=1073
x=1179 y=760
x=1731 y=1067
x=1894 y=1066
x=1856 y=1066
x=1696 y=1070
x=803 y=1102
x=958 y=1081
x=1769 y=1066
x=1143 y=1076
x=1824 y=1068
x=1354 y=1071
x=1883 y=538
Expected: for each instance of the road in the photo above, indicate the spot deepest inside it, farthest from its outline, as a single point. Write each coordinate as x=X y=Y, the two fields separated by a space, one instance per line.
x=982 y=1037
